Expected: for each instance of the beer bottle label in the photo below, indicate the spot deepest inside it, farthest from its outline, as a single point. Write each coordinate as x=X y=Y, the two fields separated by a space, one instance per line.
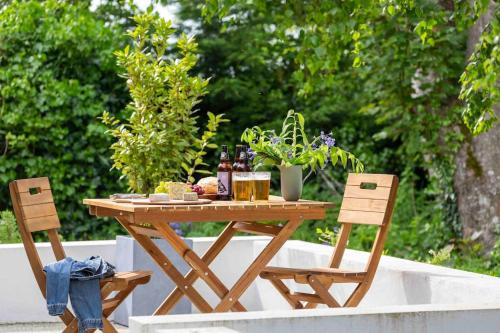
x=223 y=183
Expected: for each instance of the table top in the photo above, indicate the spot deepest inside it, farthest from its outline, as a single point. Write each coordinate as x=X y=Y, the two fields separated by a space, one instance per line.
x=276 y=209
x=273 y=203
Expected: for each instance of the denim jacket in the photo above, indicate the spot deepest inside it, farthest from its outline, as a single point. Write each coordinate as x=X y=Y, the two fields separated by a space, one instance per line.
x=79 y=279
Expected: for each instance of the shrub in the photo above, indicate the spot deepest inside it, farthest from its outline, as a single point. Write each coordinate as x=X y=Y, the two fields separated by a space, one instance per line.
x=57 y=75
x=159 y=140
x=8 y=228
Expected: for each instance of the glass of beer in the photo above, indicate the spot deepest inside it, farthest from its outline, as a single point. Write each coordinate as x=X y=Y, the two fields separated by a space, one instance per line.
x=242 y=186
x=260 y=186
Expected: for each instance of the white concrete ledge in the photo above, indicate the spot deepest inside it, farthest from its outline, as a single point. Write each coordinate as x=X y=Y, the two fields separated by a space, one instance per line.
x=416 y=293
x=200 y=330
x=394 y=319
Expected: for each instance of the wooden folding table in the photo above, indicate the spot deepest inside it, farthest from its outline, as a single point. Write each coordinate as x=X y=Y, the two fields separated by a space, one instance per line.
x=146 y=221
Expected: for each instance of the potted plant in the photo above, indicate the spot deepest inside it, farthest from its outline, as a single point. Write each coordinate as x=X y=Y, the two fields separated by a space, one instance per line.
x=292 y=152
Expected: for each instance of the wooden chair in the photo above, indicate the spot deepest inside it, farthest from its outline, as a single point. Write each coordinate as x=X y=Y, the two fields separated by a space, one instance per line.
x=360 y=205
x=35 y=211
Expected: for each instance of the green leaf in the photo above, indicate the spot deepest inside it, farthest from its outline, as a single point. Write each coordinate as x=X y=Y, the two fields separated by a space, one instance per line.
x=390 y=10
x=357 y=62
x=185 y=167
x=301 y=120
x=343 y=157
x=203 y=172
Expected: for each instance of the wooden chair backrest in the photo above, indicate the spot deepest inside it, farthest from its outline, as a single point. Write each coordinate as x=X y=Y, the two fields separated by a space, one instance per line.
x=35 y=211
x=369 y=199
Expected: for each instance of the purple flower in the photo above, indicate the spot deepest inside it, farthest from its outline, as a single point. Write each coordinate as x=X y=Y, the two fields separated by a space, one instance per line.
x=177 y=228
x=327 y=139
x=314 y=146
x=251 y=154
x=275 y=140
x=330 y=142
x=290 y=154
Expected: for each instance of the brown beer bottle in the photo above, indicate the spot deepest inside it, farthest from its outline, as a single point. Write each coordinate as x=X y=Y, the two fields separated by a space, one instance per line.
x=237 y=156
x=224 y=176
x=243 y=165
x=248 y=167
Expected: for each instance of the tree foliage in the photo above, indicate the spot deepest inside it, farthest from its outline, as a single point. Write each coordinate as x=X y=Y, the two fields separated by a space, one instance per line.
x=384 y=75
x=57 y=74
x=159 y=140
x=480 y=81
x=321 y=32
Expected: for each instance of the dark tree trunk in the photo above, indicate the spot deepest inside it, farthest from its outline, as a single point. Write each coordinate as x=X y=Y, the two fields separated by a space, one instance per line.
x=477 y=178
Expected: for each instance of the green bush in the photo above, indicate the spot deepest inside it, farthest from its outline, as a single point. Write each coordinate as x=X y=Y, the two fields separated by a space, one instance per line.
x=57 y=75
x=8 y=228
x=159 y=142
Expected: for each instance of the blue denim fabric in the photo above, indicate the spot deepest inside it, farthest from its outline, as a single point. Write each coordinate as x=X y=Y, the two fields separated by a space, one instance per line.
x=79 y=280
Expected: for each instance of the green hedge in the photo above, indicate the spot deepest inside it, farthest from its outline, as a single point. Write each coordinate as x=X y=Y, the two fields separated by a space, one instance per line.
x=57 y=75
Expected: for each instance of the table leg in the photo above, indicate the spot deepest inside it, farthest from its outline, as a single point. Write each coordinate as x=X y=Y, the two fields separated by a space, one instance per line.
x=167 y=266
x=212 y=253
x=198 y=264
x=257 y=265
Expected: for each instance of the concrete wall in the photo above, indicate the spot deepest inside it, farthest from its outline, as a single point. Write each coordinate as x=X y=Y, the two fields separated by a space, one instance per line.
x=395 y=319
x=22 y=301
x=20 y=297
x=130 y=256
x=406 y=296
x=229 y=266
x=200 y=330
x=398 y=282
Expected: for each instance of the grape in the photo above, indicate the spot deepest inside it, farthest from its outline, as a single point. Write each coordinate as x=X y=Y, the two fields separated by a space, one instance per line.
x=198 y=189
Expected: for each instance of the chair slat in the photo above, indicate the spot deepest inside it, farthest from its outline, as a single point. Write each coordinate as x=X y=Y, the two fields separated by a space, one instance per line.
x=27 y=199
x=359 y=217
x=24 y=185
x=379 y=179
x=43 y=223
x=366 y=205
x=41 y=210
x=380 y=193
